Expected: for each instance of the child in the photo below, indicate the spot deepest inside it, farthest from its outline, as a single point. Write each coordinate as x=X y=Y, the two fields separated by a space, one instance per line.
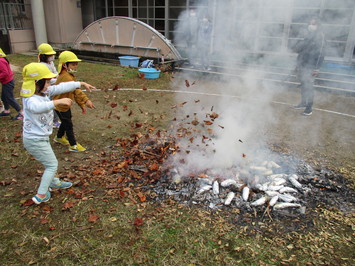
x=8 y=84
x=38 y=118
x=46 y=56
x=68 y=64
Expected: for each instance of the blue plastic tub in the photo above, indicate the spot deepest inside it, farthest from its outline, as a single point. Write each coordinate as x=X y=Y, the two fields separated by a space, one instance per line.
x=150 y=73
x=129 y=61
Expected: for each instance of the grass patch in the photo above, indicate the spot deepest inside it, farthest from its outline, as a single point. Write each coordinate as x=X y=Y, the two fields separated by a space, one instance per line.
x=85 y=226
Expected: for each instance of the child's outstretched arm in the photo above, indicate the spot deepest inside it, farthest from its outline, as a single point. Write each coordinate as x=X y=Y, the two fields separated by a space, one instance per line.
x=87 y=86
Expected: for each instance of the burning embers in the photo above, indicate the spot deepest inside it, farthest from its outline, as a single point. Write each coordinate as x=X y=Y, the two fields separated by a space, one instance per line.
x=248 y=186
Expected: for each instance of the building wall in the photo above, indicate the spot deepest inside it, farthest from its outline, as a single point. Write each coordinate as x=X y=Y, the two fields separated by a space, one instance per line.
x=63 y=21
x=266 y=26
x=16 y=27
x=22 y=40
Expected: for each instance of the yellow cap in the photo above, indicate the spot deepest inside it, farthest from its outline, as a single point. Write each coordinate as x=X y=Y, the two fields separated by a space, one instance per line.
x=31 y=73
x=66 y=57
x=2 y=54
x=46 y=49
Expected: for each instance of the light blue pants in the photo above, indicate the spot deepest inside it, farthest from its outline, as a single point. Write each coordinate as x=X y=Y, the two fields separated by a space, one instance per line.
x=42 y=151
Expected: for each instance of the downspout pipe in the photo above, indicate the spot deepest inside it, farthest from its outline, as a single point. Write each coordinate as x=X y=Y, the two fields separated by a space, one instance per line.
x=39 y=22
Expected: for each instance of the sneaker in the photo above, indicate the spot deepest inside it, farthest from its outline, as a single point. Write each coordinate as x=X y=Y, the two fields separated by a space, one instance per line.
x=18 y=117
x=77 y=148
x=38 y=200
x=56 y=124
x=63 y=140
x=61 y=185
x=307 y=112
x=3 y=113
x=300 y=106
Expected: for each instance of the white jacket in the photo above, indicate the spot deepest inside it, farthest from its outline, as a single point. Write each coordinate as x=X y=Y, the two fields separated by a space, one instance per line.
x=38 y=111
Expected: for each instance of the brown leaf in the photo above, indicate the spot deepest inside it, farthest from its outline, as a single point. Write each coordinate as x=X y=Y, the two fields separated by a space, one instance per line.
x=97 y=172
x=28 y=202
x=113 y=105
x=93 y=218
x=5 y=182
x=68 y=205
x=208 y=123
x=144 y=88
x=214 y=115
x=121 y=165
x=116 y=87
x=43 y=220
x=187 y=83
x=78 y=196
x=195 y=122
x=138 y=222
x=154 y=167
x=47 y=208
x=141 y=197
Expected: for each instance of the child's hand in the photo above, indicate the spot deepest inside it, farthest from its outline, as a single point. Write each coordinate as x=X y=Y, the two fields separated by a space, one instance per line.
x=83 y=109
x=63 y=101
x=87 y=86
x=90 y=104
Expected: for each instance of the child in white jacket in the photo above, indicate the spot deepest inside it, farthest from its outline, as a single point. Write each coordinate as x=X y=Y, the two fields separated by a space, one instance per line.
x=38 y=122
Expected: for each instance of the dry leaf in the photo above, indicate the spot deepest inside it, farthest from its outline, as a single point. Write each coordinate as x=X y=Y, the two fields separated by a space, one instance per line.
x=141 y=197
x=93 y=218
x=68 y=205
x=28 y=202
x=138 y=222
x=43 y=221
x=154 y=167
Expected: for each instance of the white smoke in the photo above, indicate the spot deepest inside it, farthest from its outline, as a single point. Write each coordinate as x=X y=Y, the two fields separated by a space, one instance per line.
x=243 y=105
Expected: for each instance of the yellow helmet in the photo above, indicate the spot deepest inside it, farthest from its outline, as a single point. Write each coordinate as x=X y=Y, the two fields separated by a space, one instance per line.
x=66 y=57
x=31 y=73
x=46 y=49
x=2 y=54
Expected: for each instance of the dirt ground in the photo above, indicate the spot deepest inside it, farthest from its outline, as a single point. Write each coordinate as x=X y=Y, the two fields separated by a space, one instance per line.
x=326 y=137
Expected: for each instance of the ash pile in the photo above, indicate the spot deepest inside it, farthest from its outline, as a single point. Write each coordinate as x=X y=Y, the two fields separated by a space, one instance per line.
x=286 y=187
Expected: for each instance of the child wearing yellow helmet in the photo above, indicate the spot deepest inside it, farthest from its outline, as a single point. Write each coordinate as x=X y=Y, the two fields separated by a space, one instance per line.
x=8 y=85
x=68 y=64
x=46 y=56
x=38 y=119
